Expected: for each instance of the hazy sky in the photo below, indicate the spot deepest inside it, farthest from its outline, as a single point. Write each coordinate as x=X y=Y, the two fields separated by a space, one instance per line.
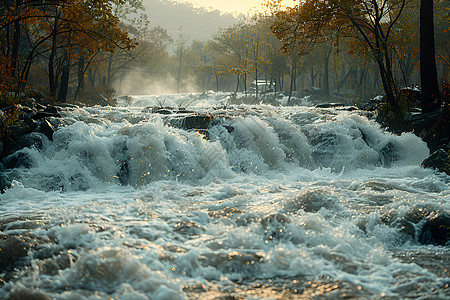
x=232 y=6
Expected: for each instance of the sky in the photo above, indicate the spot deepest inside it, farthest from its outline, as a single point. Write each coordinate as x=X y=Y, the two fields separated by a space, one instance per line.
x=233 y=6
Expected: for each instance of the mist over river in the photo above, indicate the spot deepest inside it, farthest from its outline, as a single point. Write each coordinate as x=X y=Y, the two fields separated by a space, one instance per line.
x=223 y=202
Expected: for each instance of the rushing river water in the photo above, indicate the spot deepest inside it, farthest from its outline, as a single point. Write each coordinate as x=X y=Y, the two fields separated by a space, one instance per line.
x=269 y=203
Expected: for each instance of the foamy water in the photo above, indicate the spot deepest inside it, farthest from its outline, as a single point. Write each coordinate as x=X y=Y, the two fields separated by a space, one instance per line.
x=277 y=202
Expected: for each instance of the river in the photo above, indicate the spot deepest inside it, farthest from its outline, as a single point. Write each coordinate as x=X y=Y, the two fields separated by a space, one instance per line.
x=271 y=202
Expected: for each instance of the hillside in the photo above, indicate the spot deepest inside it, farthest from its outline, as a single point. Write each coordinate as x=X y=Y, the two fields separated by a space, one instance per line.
x=198 y=23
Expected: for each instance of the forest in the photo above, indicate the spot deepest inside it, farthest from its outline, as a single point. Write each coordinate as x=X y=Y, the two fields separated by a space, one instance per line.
x=90 y=51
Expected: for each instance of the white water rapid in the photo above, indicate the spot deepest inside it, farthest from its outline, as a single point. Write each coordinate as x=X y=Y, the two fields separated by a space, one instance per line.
x=270 y=202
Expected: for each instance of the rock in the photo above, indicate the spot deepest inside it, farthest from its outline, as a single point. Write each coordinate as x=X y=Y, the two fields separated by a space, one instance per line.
x=372 y=104
x=388 y=154
x=29 y=122
x=420 y=120
x=436 y=230
x=51 y=109
x=32 y=140
x=47 y=129
x=45 y=114
x=11 y=250
x=436 y=160
x=5 y=183
x=161 y=110
x=18 y=160
x=329 y=105
x=412 y=95
x=200 y=121
x=18 y=129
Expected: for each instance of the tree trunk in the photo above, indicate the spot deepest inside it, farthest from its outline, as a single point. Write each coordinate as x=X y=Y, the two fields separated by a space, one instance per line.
x=428 y=71
x=15 y=45
x=217 y=81
x=326 y=83
x=52 y=80
x=179 y=69
x=81 y=73
x=291 y=87
x=109 y=75
x=64 y=86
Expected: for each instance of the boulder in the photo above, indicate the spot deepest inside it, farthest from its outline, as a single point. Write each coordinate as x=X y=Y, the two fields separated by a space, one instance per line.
x=46 y=112
x=436 y=230
x=196 y=122
x=12 y=249
x=436 y=160
x=47 y=129
x=29 y=122
x=19 y=128
x=18 y=160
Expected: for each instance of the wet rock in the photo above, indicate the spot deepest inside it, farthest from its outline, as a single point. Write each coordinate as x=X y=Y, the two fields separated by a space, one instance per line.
x=436 y=230
x=388 y=155
x=5 y=182
x=372 y=104
x=196 y=122
x=11 y=250
x=420 y=121
x=160 y=110
x=329 y=105
x=46 y=112
x=18 y=160
x=436 y=161
x=19 y=128
x=47 y=129
x=32 y=140
x=29 y=122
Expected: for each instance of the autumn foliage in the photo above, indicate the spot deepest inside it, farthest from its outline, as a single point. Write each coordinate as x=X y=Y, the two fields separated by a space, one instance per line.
x=54 y=35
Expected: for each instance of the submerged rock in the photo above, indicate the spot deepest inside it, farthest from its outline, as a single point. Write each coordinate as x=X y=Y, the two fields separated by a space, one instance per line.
x=436 y=230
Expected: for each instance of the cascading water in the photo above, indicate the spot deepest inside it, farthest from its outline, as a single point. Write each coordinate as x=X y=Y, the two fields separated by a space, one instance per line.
x=268 y=203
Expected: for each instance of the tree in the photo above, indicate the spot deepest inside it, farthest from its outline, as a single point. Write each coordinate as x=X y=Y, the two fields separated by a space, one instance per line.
x=180 y=45
x=58 y=31
x=371 y=22
x=428 y=72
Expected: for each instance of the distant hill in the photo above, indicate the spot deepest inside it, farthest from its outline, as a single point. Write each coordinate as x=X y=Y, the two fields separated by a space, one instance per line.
x=198 y=23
